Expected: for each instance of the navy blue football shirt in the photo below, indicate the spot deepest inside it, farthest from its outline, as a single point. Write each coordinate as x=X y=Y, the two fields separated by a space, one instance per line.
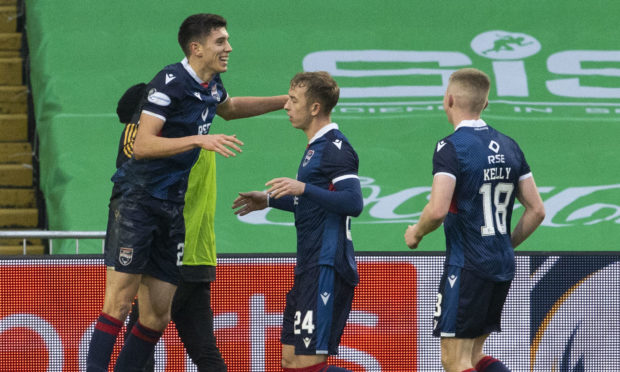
x=187 y=105
x=487 y=166
x=324 y=234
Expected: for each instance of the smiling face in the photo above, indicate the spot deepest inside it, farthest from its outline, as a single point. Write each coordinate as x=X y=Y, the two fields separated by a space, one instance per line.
x=213 y=51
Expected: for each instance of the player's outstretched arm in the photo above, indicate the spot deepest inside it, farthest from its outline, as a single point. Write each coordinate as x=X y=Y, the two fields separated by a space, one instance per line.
x=149 y=145
x=220 y=143
x=534 y=214
x=434 y=212
x=252 y=201
x=248 y=202
x=245 y=107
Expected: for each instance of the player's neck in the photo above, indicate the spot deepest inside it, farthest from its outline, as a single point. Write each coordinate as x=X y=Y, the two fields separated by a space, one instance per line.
x=458 y=117
x=316 y=125
x=202 y=72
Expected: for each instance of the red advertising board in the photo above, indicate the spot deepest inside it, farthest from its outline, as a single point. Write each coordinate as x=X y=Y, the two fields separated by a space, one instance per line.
x=48 y=309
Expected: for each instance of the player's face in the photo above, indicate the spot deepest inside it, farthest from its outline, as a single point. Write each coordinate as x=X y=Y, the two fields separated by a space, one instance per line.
x=298 y=109
x=215 y=51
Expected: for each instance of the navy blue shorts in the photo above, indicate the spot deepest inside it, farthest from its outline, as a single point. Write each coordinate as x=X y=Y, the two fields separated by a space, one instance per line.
x=467 y=305
x=111 y=248
x=317 y=309
x=145 y=235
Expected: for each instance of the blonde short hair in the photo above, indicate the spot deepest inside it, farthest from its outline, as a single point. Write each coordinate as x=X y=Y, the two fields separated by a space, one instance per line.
x=472 y=86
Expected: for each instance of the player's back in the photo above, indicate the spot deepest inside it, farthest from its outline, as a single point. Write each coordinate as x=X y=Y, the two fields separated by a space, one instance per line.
x=488 y=167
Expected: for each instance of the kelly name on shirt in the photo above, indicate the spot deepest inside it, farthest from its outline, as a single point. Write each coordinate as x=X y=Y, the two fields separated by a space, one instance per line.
x=496 y=173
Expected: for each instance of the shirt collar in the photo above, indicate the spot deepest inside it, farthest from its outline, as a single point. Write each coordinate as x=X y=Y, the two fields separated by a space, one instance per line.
x=323 y=130
x=190 y=70
x=478 y=123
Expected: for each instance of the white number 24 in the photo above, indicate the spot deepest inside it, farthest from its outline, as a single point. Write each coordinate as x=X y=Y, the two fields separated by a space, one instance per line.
x=306 y=324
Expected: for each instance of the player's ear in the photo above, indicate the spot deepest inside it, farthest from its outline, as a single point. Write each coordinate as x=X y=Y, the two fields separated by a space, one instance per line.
x=450 y=100
x=315 y=108
x=485 y=105
x=195 y=48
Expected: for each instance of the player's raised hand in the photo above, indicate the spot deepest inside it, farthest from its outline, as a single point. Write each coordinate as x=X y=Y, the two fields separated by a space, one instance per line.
x=249 y=202
x=411 y=237
x=285 y=186
x=220 y=143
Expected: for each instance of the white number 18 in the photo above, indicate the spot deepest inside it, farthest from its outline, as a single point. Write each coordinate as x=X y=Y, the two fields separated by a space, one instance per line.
x=501 y=207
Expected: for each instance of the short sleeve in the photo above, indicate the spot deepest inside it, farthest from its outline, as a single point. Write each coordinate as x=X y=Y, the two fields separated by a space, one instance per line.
x=525 y=167
x=445 y=159
x=340 y=161
x=164 y=93
x=220 y=87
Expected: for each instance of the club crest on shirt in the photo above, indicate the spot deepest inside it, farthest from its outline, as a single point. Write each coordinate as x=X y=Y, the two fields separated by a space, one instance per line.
x=307 y=158
x=125 y=256
x=214 y=93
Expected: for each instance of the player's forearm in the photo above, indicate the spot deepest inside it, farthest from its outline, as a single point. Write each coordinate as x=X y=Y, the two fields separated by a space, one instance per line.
x=244 y=107
x=151 y=146
x=429 y=221
x=285 y=203
x=346 y=200
x=529 y=221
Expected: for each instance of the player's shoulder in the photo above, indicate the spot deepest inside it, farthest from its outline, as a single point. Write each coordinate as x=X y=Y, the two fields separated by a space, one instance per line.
x=335 y=140
x=506 y=139
x=445 y=143
x=170 y=78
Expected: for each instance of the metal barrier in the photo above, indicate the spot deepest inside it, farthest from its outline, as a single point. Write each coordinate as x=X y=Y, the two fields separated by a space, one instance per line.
x=51 y=235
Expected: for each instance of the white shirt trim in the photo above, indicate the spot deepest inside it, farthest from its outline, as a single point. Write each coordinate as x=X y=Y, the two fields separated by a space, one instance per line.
x=479 y=123
x=322 y=131
x=154 y=114
x=190 y=70
x=525 y=176
x=345 y=177
x=445 y=174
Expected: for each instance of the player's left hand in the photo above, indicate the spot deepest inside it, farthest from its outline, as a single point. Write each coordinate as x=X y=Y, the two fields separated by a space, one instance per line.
x=411 y=236
x=285 y=186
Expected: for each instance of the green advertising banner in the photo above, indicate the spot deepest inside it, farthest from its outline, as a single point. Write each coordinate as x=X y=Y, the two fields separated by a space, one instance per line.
x=555 y=74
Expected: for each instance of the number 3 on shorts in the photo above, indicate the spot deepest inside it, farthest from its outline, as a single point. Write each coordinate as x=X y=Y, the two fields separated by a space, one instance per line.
x=307 y=323
x=438 y=305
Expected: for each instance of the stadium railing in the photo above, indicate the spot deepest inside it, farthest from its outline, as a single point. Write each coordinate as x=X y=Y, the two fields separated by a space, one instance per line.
x=24 y=235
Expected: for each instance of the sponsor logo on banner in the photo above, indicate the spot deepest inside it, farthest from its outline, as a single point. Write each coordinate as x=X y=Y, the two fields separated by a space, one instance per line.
x=574 y=321
x=247 y=316
x=578 y=82
x=571 y=206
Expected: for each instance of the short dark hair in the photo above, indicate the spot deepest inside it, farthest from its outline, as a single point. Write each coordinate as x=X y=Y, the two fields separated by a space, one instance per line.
x=320 y=87
x=196 y=27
